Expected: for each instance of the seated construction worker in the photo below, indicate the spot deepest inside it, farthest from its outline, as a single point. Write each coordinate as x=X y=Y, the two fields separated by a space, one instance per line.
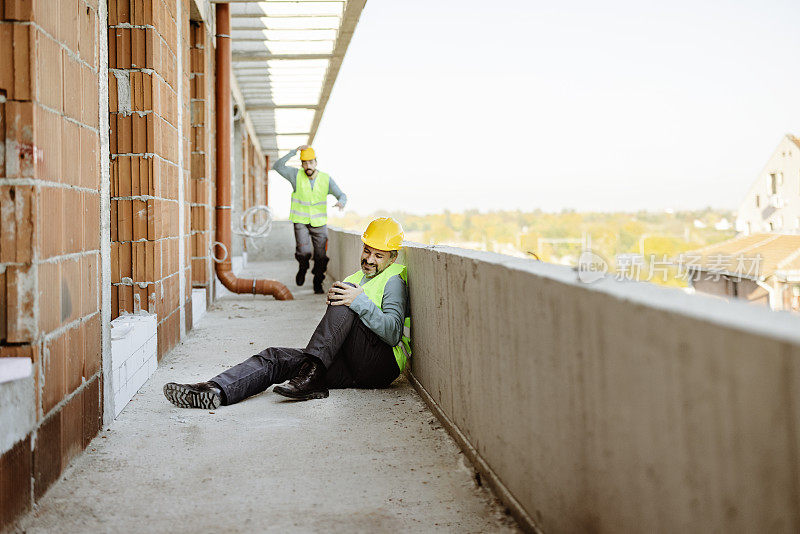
x=362 y=340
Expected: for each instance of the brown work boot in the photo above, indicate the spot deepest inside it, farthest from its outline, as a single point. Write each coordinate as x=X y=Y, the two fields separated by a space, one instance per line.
x=308 y=383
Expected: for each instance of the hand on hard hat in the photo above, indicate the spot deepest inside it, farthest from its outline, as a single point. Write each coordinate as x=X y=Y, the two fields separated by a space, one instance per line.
x=384 y=233
x=307 y=153
x=302 y=147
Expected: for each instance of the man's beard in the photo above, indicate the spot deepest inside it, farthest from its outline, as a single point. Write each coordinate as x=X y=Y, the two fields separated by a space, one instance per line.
x=309 y=172
x=373 y=269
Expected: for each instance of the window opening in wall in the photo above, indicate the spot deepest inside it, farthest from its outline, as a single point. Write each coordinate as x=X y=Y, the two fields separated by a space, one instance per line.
x=758 y=201
x=773 y=180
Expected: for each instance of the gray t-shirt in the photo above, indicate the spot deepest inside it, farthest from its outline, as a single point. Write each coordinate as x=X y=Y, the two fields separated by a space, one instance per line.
x=386 y=321
x=290 y=173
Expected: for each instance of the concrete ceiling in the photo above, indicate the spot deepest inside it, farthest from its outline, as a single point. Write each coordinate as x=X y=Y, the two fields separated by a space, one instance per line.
x=286 y=57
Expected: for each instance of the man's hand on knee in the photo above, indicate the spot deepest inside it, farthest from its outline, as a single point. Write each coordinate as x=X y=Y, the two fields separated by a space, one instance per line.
x=343 y=293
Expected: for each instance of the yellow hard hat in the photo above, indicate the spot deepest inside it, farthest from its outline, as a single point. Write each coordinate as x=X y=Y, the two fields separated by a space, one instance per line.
x=307 y=154
x=384 y=233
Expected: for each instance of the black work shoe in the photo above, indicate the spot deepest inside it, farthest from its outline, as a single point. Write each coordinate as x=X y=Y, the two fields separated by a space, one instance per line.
x=202 y=395
x=309 y=383
x=300 y=277
x=318 y=285
x=303 y=263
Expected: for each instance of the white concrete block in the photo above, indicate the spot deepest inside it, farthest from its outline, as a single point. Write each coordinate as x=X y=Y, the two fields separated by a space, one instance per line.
x=123 y=376
x=121 y=340
x=120 y=401
x=139 y=379
x=137 y=358
x=198 y=306
x=151 y=347
x=17 y=407
x=133 y=355
x=14 y=369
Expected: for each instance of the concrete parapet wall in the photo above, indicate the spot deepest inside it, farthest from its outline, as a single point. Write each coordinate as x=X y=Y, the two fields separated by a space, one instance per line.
x=607 y=407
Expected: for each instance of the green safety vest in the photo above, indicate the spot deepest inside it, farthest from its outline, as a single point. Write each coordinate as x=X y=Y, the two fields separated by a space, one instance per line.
x=373 y=289
x=309 y=206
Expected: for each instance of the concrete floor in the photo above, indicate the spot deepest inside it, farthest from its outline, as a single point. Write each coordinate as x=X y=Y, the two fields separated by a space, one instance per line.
x=359 y=461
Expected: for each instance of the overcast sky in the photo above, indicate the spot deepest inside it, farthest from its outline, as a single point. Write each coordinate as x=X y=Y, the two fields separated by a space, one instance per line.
x=615 y=105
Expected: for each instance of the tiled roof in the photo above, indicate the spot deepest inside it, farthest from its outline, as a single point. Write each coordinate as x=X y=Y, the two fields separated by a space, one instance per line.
x=752 y=256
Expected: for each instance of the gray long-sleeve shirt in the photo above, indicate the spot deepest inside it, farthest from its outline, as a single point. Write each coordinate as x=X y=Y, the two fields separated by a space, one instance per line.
x=386 y=321
x=290 y=173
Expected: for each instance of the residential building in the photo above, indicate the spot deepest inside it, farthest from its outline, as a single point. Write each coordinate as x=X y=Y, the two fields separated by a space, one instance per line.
x=773 y=202
x=759 y=268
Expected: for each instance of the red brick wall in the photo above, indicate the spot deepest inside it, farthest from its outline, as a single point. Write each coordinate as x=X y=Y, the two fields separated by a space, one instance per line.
x=50 y=232
x=145 y=168
x=202 y=138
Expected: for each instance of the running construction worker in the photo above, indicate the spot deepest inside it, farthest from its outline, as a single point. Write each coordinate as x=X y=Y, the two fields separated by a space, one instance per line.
x=309 y=212
x=363 y=340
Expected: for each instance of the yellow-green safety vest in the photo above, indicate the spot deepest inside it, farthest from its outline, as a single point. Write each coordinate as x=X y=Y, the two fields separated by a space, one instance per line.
x=309 y=206
x=373 y=289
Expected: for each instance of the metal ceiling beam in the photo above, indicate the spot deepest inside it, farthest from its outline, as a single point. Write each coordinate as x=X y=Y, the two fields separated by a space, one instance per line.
x=265 y=83
x=283 y=15
x=273 y=28
x=282 y=78
x=273 y=1
x=293 y=70
x=271 y=134
x=262 y=40
x=239 y=57
x=267 y=107
x=254 y=28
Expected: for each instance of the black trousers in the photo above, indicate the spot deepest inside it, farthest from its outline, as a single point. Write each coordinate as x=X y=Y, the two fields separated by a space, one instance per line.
x=353 y=355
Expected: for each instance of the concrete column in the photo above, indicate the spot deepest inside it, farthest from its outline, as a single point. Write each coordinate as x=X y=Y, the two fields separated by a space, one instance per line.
x=181 y=177
x=105 y=211
x=237 y=191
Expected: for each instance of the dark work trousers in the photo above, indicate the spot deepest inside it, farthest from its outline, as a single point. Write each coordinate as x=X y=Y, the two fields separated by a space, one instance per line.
x=353 y=355
x=310 y=239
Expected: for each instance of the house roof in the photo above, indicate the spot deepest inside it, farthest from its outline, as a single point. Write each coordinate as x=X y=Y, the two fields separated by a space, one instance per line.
x=756 y=256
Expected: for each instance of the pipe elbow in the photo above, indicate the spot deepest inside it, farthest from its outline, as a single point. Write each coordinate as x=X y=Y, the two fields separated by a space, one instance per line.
x=274 y=288
x=261 y=286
